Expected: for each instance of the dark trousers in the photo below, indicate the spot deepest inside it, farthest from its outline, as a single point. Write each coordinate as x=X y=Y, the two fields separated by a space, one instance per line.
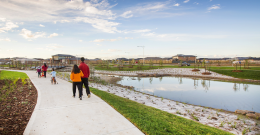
x=79 y=85
x=85 y=82
x=39 y=74
x=44 y=73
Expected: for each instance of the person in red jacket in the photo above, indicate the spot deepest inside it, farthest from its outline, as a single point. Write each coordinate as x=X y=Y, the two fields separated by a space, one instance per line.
x=85 y=69
x=44 y=68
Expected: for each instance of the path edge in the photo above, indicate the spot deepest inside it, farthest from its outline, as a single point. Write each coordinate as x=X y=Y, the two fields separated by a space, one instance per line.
x=33 y=116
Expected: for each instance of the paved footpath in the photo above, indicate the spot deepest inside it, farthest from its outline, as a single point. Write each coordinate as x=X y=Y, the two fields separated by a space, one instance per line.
x=57 y=112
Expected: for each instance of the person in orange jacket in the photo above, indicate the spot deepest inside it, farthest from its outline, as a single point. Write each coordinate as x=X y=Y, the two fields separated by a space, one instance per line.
x=75 y=76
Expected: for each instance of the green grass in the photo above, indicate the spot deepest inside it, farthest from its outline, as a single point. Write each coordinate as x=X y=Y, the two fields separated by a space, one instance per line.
x=246 y=74
x=12 y=75
x=154 y=121
x=146 y=67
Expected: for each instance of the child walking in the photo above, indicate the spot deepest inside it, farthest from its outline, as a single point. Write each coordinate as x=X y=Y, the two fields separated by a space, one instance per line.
x=39 y=71
x=53 y=76
x=75 y=76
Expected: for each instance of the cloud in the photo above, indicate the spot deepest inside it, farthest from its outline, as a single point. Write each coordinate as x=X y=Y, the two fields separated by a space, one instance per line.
x=214 y=7
x=186 y=1
x=129 y=38
x=95 y=12
x=53 y=35
x=196 y=3
x=99 y=40
x=27 y=34
x=8 y=26
x=53 y=10
x=103 y=25
x=6 y=39
x=80 y=40
x=112 y=40
x=140 y=31
x=127 y=14
x=176 y=5
x=64 y=21
x=10 y=50
x=102 y=40
x=41 y=25
x=2 y=19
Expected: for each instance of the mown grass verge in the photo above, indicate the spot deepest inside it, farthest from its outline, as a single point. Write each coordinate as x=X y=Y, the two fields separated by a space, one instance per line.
x=12 y=75
x=153 y=121
x=246 y=74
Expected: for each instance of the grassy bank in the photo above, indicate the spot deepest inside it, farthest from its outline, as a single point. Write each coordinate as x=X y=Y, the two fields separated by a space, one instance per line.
x=12 y=75
x=154 y=121
x=246 y=74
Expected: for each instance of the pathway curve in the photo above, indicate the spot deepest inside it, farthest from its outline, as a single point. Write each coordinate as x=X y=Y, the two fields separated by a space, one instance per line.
x=57 y=112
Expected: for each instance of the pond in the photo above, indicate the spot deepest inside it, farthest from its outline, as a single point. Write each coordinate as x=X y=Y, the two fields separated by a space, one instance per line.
x=222 y=95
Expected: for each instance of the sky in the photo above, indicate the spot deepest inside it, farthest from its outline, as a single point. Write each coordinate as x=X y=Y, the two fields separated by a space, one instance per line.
x=109 y=29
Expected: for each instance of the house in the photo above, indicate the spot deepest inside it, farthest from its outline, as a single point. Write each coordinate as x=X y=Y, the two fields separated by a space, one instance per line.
x=184 y=58
x=58 y=57
x=255 y=60
x=214 y=60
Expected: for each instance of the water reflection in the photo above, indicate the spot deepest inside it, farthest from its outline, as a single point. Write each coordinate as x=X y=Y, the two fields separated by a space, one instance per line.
x=236 y=87
x=151 y=80
x=196 y=83
x=216 y=94
x=160 y=78
x=245 y=87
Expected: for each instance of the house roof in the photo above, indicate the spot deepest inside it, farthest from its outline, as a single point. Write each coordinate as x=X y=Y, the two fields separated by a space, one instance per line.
x=181 y=55
x=152 y=58
x=255 y=59
x=64 y=55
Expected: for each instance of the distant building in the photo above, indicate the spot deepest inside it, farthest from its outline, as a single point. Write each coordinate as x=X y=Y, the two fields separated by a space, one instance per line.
x=58 y=57
x=187 y=58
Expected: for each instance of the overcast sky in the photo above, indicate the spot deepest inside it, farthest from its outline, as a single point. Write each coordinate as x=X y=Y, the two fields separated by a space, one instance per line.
x=114 y=28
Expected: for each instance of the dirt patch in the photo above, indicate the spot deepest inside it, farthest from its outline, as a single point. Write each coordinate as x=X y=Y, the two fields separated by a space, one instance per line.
x=17 y=104
x=237 y=71
x=206 y=73
x=194 y=70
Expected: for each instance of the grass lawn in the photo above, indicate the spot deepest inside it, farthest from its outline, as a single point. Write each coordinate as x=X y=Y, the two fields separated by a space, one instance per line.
x=154 y=121
x=146 y=67
x=246 y=74
x=12 y=75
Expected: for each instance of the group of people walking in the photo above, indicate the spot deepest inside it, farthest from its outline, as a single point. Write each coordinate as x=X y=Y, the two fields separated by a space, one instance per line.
x=79 y=76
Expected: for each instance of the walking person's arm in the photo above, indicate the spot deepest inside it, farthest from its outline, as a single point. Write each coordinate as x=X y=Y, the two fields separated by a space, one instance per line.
x=72 y=76
x=88 y=71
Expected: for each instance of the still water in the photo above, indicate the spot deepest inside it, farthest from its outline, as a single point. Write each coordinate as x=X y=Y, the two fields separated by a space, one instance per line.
x=222 y=95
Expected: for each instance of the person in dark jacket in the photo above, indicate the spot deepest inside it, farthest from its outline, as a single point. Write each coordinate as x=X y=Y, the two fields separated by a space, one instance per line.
x=85 y=69
x=44 y=68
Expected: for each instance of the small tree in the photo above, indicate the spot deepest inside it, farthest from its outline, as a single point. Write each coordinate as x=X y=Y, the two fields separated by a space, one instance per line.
x=218 y=63
x=130 y=64
x=139 y=66
x=151 y=63
x=161 y=62
x=181 y=63
x=107 y=64
x=203 y=63
x=113 y=62
x=133 y=61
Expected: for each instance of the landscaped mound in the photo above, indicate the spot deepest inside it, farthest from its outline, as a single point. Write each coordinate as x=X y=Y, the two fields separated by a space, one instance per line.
x=18 y=98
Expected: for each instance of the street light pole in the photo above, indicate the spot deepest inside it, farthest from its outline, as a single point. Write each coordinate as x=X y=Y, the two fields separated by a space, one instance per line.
x=143 y=53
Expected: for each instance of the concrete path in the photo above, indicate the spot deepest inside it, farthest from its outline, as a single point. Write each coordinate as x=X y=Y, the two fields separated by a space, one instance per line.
x=57 y=112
